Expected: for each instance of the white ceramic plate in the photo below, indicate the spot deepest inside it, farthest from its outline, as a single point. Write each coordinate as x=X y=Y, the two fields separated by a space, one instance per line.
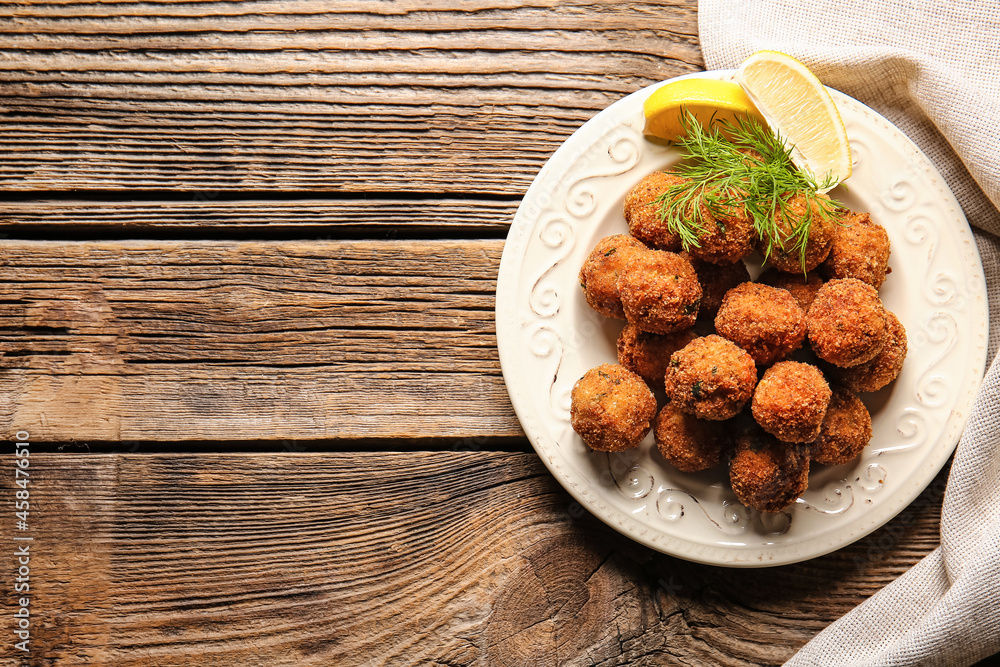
x=548 y=337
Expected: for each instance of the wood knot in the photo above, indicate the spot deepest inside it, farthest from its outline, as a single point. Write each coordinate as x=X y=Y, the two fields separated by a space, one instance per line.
x=561 y=602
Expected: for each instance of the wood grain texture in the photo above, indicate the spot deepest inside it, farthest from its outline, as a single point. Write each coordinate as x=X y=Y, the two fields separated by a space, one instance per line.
x=421 y=558
x=329 y=218
x=302 y=96
x=207 y=340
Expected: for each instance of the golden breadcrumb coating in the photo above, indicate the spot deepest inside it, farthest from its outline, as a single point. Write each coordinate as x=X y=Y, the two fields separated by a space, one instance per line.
x=860 y=250
x=600 y=271
x=821 y=230
x=791 y=400
x=642 y=211
x=710 y=378
x=659 y=292
x=846 y=323
x=847 y=429
x=716 y=280
x=727 y=235
x=766 y=474
x=885 y=367
x=647 y=354
x=611 y=408
x=768 y=430
x=765 y=321
x=802 y=288
x=688 y=443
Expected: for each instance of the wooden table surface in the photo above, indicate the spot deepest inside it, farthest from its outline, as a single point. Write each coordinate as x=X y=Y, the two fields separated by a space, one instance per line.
x=246 y=325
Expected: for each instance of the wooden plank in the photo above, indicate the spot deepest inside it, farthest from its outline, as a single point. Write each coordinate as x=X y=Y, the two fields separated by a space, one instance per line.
x=389 y=558
x=495 y=14
x=285 y=96
x=596 y=25
x=58 y=143
x=209 y=211
x=178 y=340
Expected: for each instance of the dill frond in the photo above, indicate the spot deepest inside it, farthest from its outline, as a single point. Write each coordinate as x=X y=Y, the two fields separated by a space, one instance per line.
x=741 y=165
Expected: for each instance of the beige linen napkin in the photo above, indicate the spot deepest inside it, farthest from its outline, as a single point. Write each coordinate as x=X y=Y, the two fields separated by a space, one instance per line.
x=933 y=69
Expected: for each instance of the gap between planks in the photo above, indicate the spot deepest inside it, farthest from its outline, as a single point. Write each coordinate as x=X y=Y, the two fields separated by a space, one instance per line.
x=291 y=215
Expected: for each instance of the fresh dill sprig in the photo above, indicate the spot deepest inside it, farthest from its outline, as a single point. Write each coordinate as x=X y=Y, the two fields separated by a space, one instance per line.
x=742 y=165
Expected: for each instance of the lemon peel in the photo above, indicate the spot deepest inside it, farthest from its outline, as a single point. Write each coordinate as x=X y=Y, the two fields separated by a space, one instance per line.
x=800 y=109
x=707 y=99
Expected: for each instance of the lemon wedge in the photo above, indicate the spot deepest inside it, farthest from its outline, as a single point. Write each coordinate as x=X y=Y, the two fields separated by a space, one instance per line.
x=802 y=111
x=705 y=98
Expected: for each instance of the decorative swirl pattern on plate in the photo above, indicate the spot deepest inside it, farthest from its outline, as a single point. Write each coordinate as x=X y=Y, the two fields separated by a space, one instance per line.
x=941 y=332
x=873 y=479
x=860 y=151
x=633 y=482
x=735 y=517
x=544 y=299
x=546 y=342
x=932 y=390
x=836 y=500
x=912 y=425
x=920 y=230
x=624 y=151
x=942 y=289
x=774 y=523
x=669 y=506
x=900 y=193
x=942 y=329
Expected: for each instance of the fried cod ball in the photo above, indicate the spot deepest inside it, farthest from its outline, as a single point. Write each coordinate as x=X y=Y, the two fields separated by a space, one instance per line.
x=765 y=321
x=802 y=288
x=860 y=250
x=647 y=354
x=716 y=280
x=688 y=443
x=885 y=367
x=846 y=430
x=659 y=292
x=710 y=378
x=766 y=474
x=611 y=408
x=727 y=234
x=599 y=273
x=822 y=225
x=791 y=400
x=642 y=211
x=846 y=323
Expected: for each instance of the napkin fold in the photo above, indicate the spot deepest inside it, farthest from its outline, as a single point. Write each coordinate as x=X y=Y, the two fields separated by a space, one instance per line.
x=932 y=69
